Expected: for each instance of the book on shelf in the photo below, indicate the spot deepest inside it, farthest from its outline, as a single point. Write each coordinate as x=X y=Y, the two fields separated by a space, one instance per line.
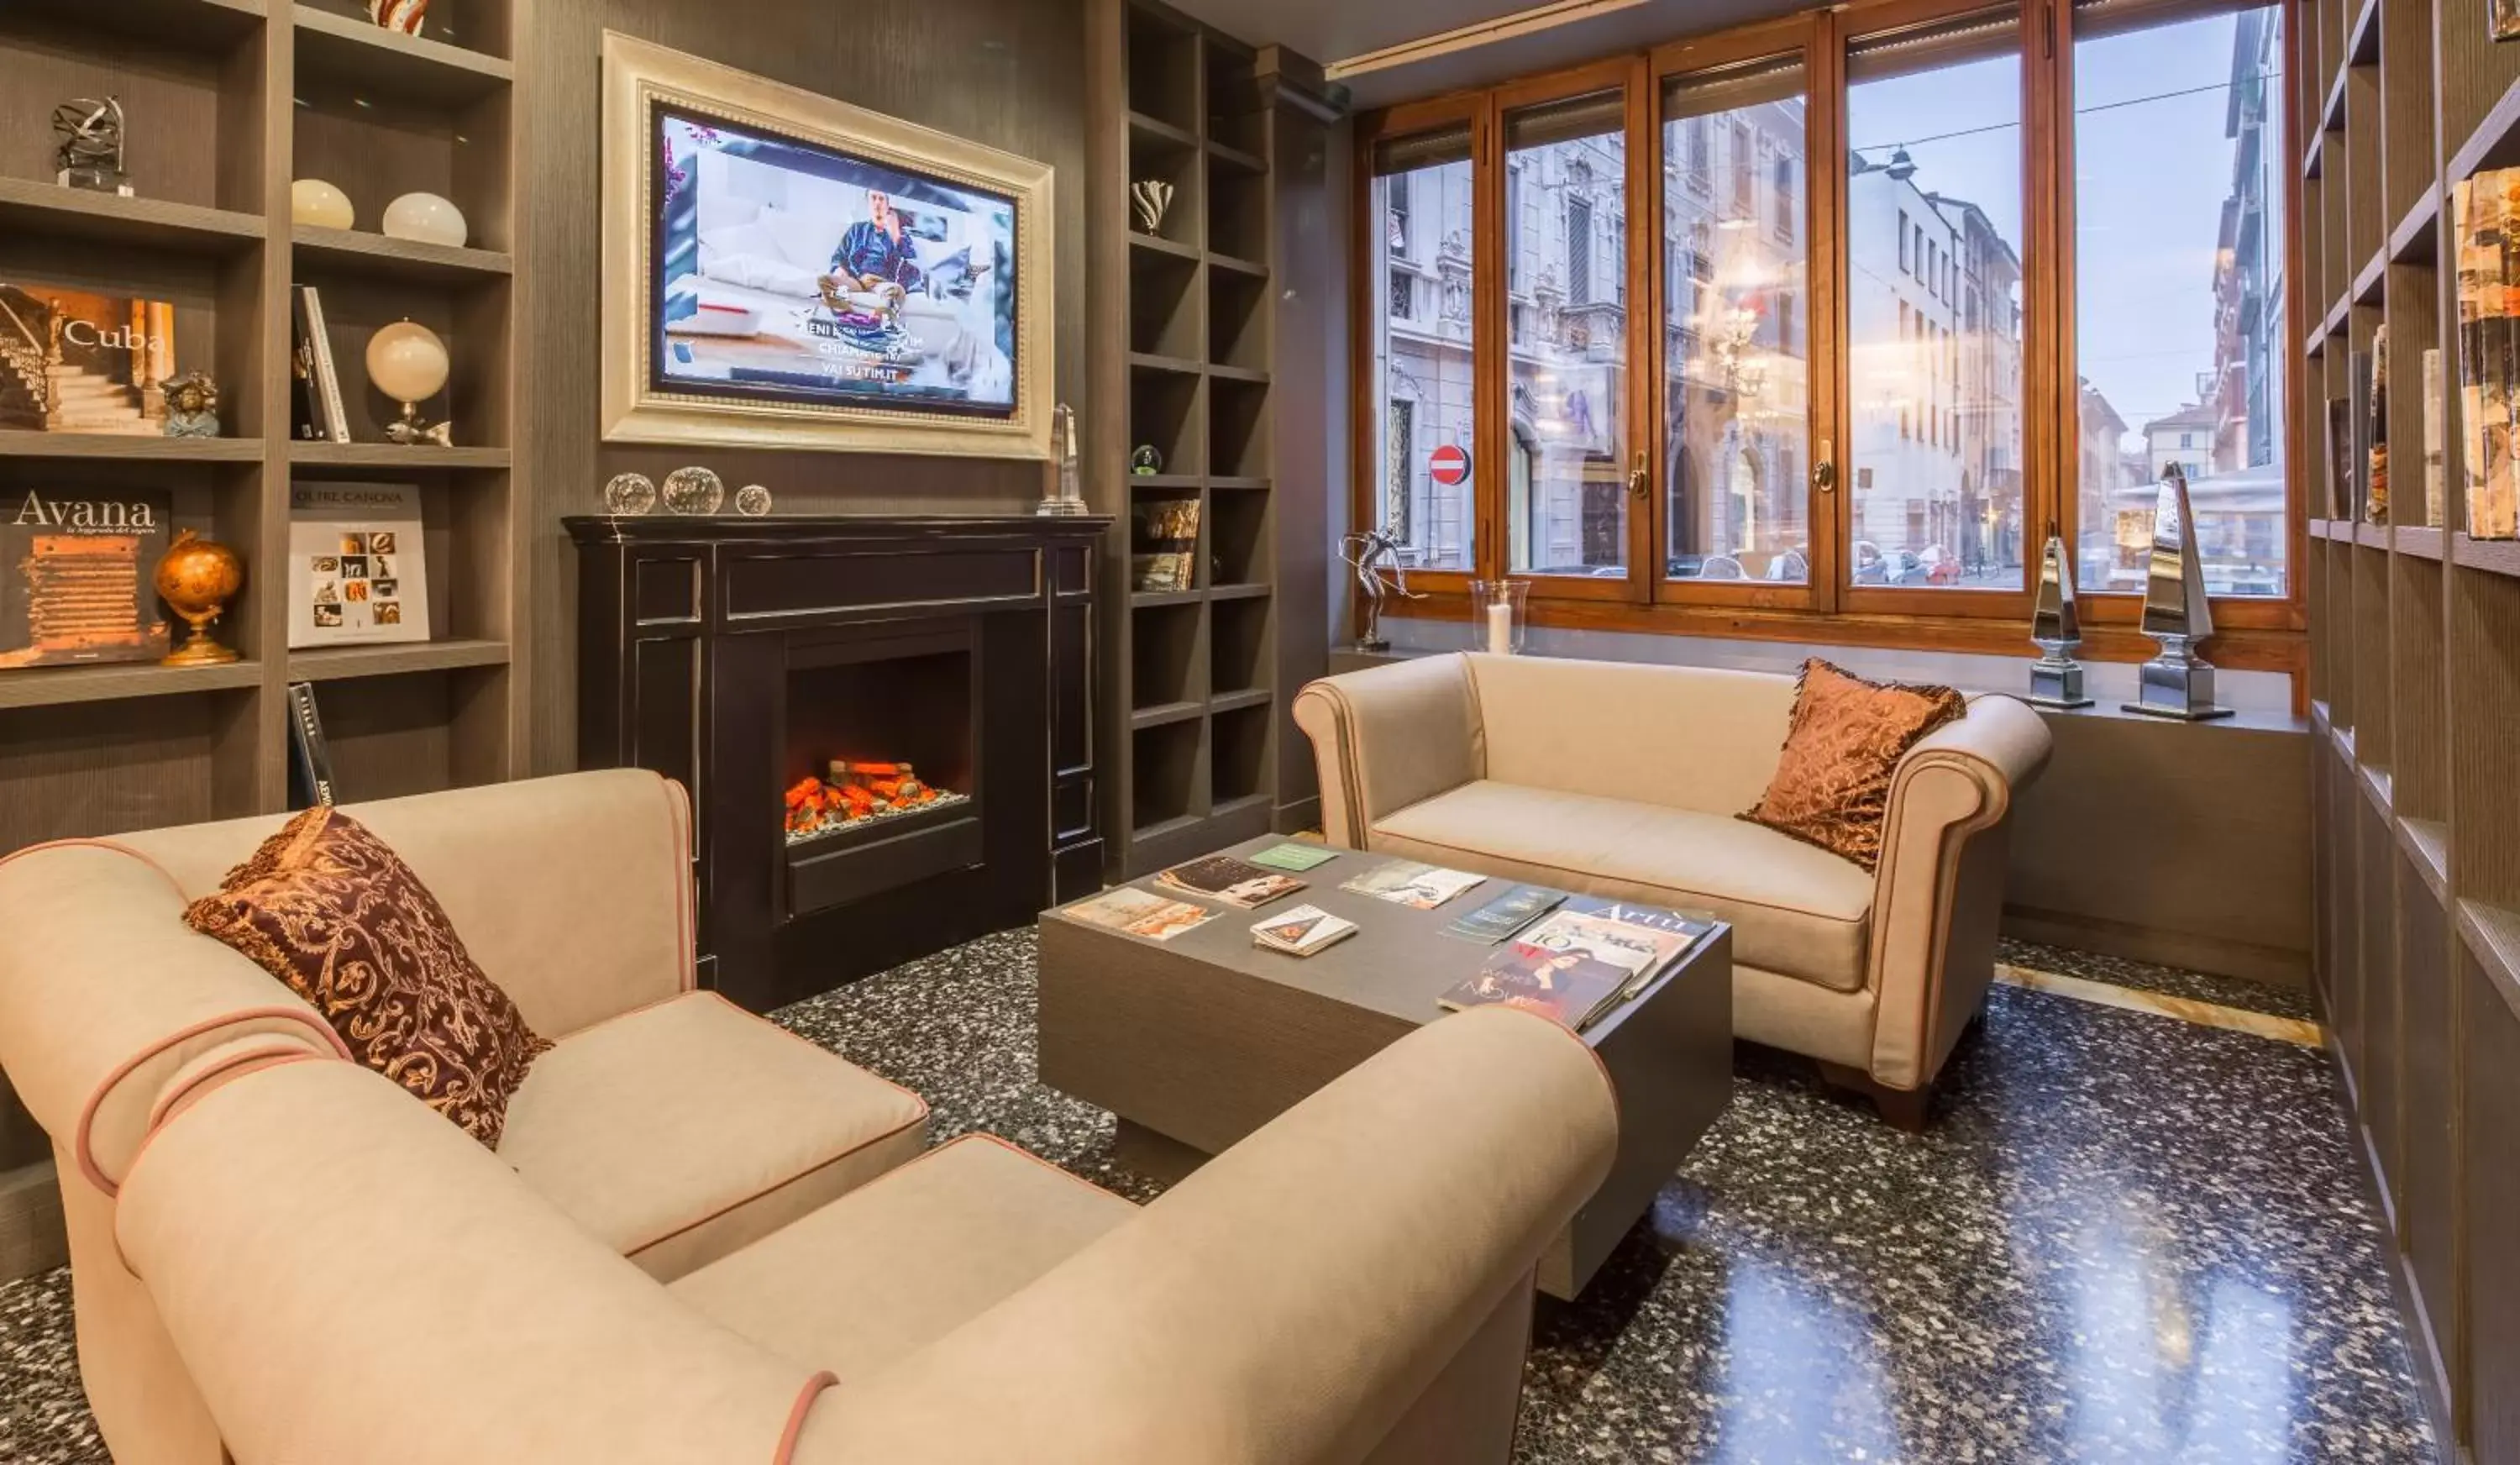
x=2357 y=400
x=1163 y=544
x=1236 y=882
x=316 y=413
x=1499 y=918
x=2340 y=459
x=358 y=572
x=1406 y=882
x=1294 y=855
x=76 y=575
x=80 y=360
x=2375 y=465
x=1137 y=912
x=1301 y=931
x=2485 y=210
x=2436 y=476
x=310 y=758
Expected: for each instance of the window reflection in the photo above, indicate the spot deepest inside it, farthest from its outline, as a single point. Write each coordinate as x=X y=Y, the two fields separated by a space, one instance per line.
x=1421 y=347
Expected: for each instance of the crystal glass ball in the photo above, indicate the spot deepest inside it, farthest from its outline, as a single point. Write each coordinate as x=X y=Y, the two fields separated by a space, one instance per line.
x=407 y=362
x=694 y=490
x=752 y=501
x=628 y=495
x=426 y=218
x=312 y=201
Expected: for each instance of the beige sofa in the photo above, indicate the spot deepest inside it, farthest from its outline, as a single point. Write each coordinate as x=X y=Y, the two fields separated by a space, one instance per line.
x=695 y=1223
x=1613 y=778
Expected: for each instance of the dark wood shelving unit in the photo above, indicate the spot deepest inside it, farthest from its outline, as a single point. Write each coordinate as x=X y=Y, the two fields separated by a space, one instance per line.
x=235 y=99
x=2414 y=687
x=1188 y=352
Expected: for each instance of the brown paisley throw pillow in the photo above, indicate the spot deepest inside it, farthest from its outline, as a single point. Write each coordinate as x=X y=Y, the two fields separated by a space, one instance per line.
x=326 y=908
x=1832 y=787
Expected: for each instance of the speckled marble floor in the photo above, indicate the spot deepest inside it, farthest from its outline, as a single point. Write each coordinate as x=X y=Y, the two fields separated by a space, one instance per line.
x=2126 y=1238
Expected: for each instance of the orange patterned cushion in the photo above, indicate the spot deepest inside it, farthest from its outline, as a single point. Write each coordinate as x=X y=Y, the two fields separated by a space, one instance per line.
x=1832 y=787
x=326 y=908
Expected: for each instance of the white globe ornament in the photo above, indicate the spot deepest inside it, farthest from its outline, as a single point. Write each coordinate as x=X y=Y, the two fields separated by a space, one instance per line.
x=407 y=362
x=428 y=220
x=312 y=201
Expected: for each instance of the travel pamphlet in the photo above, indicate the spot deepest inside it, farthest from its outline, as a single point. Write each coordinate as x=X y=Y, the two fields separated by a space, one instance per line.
x=1135 y=913
x=1499 y=918
x=1301 y=931
x=1295 y=857
x=1406 y=882
x=1236 y=882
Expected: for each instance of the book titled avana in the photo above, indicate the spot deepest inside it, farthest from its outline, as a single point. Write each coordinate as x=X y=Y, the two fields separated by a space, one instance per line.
x=74 y=576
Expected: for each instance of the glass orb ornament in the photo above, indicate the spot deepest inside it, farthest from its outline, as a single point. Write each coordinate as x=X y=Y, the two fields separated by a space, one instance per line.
x=426 y=218
x=312 y=201
x=694 y=490
x=629 y=495
x=407 y=362
x=752 y=501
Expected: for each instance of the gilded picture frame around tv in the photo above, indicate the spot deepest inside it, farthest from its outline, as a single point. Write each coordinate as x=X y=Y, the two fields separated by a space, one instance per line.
x=784 y=270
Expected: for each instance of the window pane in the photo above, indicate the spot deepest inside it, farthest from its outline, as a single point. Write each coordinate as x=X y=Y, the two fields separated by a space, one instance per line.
x=1566 y=484
x=1934 y=306
x=1421 y=347
x=2179 y=294
x=1737 y=333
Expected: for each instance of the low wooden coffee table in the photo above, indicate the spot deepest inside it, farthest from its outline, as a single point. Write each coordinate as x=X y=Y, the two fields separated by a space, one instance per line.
x=1198 y=1040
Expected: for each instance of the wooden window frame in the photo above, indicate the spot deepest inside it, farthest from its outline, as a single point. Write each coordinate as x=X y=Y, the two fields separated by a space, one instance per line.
x=2255 y=634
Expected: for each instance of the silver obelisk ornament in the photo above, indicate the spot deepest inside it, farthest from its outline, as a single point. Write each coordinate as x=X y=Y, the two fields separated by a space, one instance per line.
x=2055 y=678
x=2178 y=682
x=1065 y=495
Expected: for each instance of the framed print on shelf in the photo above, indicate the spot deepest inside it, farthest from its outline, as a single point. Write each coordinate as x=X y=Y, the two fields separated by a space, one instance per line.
x=781 y=269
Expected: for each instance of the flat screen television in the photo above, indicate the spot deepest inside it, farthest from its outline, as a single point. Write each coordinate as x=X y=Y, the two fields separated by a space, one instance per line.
x=790 y=272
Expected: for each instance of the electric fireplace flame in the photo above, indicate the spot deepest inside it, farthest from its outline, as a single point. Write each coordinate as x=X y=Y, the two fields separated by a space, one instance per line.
x=857 y=793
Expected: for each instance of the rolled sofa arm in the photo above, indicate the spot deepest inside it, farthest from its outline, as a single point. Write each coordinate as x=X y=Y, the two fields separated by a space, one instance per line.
x=347 y=1276
x=1288 y=1301
x=1937 y=894
x=1387 y=737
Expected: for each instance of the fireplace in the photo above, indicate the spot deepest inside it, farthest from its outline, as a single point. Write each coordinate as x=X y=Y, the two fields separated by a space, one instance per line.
x=884 y=722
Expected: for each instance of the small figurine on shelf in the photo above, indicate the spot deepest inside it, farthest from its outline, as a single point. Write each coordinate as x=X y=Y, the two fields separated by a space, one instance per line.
x=196 y=578
x=90 y=155
x=404 y=15
x=1153 y=198
x=1145 y=463
x=192 y=405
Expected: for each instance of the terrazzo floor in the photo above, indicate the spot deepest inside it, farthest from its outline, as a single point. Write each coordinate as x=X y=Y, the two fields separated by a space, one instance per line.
x=2126 y=1238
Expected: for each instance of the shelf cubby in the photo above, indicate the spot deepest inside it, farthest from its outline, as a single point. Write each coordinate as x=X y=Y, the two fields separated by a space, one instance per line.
x=129 y=747
x=1167 y=762
x=1165 y=411
x=1237 y=211
x=1238 y=428
x=191 y=95
x=1239 y=645
x=1237 y=320
x=422 y=731
x=1164 y=317
x=1237 y=531
x=1239 y=763
x=1163 y=67
x=1167 y=655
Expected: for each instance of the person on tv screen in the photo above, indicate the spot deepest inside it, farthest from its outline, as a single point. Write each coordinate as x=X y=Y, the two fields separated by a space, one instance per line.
x=878 y=251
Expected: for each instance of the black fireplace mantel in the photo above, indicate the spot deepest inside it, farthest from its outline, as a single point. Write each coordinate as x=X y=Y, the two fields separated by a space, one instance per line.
x=692 y=633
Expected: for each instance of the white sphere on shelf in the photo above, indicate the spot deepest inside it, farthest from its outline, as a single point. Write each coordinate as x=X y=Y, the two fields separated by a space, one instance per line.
x=312 y=201
x=407 y=362
x=426 y=218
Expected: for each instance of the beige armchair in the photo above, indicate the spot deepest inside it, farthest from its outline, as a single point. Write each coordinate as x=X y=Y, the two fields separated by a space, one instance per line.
x=701 y=1239
x=1614 y=779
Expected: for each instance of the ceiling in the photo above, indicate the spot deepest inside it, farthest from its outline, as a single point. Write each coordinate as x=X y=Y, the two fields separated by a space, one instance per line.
x=1561 y=32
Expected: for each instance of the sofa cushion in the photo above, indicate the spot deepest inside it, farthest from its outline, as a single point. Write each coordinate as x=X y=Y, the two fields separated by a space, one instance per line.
x=328 y=908
x=1833 y=783
x=899 y=1262
x=1795 y=908
x=679 y=1132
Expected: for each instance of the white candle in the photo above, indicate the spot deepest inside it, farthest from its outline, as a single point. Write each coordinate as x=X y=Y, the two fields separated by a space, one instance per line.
x=1501 y=628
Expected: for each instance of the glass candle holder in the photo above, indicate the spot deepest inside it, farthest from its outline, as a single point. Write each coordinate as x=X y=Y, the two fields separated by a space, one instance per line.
x=1497 y=615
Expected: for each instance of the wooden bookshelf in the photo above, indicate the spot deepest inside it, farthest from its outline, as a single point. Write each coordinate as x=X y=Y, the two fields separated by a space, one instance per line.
x=1183 y=357
x=2415 y=687
x=228 y=101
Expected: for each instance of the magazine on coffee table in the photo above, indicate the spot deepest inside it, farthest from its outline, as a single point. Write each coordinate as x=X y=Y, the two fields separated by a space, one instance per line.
x=1573 y=966
x=1135 y=913
x=1499 y=918
x=1406 y=882
x=1236 y=882
x=1301 y=931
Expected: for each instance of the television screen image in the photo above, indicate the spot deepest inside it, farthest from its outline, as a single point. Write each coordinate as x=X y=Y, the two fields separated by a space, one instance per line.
x=791 y=272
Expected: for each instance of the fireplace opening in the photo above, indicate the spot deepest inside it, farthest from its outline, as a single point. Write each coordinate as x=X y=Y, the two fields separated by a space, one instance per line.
x=879 y=738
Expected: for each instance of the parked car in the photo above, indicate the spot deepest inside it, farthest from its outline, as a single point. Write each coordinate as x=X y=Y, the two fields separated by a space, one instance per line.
x=1901 y=567
x=1722 y=567
x=1791 y=567
x=1871 y=566
x=1941 y=566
